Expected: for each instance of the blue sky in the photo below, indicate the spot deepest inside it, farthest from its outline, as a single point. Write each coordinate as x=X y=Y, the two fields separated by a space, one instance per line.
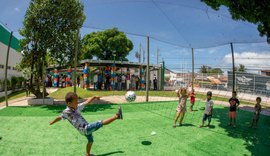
x=174 y=28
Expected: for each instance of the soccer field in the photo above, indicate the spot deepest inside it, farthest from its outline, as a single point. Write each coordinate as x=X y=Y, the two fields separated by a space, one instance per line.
x=25 y=131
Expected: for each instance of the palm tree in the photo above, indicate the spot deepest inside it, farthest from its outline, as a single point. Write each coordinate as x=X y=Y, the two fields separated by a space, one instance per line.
x=203 y=69
x=242 y=68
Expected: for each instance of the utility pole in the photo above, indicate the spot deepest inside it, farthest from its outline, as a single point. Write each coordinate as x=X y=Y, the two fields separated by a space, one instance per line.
x=192 y=68
x=233 y=69
x=143 y=56
x=163 y=74
x=157 y=54
x=147 y=70
x=9 y=43
x=140 y=52
x=76 y=59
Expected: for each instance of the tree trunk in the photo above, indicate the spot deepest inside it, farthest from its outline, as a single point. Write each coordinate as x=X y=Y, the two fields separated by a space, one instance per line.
x=36 y=91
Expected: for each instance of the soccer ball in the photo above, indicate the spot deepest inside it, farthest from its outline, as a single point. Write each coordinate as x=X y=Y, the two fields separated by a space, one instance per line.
x=130 y=96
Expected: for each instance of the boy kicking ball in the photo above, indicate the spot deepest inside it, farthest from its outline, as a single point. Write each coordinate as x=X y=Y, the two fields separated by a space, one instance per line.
x=73 y=114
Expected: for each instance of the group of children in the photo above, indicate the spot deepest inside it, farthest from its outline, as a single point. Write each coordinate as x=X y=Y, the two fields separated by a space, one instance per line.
x=208 y=111
x=73 y=113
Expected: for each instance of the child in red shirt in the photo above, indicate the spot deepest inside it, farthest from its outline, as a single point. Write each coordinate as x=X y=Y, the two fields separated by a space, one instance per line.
x=192 y=99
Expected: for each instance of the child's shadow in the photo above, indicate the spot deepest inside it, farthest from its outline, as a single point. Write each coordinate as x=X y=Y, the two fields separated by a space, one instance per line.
x=211 y=126
x=110 y=153
x=202 y=108
x=187 y=125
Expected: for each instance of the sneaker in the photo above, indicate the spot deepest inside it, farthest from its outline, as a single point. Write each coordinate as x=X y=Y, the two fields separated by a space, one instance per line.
x=119 y=113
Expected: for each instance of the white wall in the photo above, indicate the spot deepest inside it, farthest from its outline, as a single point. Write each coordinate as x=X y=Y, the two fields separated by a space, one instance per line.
x=14 y=57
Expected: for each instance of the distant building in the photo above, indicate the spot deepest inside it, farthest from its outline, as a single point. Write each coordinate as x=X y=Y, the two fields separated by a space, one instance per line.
x=265 y=72
x=170 y=74
x=14 y=54
x=249 y=82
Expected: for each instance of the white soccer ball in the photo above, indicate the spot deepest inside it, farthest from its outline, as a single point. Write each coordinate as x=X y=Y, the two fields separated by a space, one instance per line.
x=130 y=96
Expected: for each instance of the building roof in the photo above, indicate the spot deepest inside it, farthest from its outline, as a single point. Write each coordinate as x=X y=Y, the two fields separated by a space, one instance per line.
x=168 y=70
x=110 y=62
x=4 y=33
x=117 y=63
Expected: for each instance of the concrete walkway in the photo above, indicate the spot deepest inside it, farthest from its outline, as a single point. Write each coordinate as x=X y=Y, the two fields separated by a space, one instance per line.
x=121 y=99
x=22 y=101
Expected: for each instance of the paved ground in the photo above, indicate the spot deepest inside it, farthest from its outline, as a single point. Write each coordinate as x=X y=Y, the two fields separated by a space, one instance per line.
x=121 y=99
x=23 y=100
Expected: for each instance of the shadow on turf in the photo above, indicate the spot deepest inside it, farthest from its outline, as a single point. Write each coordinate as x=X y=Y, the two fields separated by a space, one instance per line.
x=187 y=125
x=257 y=141
x=146 y=143
x=110 y=153
x=210 y=126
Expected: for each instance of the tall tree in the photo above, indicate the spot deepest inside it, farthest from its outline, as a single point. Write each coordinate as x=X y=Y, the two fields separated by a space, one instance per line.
x=203 y=69
x=104 y=44
x=49 y=27
x=254 y=11
x=216 y=71
x=242 y=68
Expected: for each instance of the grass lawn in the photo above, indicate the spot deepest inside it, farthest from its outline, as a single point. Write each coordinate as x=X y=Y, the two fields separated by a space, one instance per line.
x=25 y=131
x=14 y=95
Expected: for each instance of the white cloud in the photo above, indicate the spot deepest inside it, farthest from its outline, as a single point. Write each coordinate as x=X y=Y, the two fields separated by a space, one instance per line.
x=17 y=9
x=249 y=59
x=212 y=50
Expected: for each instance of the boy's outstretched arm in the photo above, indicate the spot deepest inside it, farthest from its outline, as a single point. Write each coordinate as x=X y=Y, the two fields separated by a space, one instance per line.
x=55 y=120
x=89 y=100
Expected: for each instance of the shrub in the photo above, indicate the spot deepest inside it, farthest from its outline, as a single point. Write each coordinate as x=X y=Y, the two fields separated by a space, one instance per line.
x=2 y=85
x=20 y=81
x=14 y=81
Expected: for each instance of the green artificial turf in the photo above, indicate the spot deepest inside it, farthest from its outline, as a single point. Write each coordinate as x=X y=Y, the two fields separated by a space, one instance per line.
x=25 y=131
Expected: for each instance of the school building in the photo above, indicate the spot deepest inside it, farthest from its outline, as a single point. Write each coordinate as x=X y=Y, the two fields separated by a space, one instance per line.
x=14 y=54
